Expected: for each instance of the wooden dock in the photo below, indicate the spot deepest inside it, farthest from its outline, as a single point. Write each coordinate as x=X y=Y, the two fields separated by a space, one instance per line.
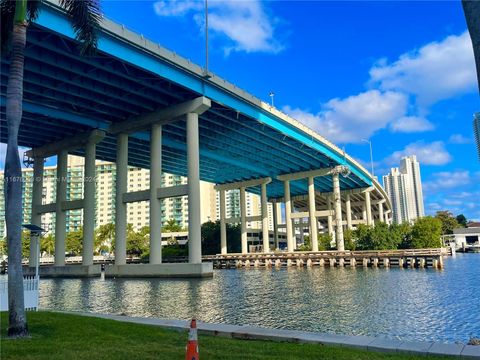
x=411 y=258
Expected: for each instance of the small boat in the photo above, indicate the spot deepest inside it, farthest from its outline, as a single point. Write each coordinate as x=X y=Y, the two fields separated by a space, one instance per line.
x=473 y=248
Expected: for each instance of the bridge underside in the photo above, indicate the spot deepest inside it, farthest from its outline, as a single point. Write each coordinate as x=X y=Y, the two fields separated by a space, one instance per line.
x=141 y=99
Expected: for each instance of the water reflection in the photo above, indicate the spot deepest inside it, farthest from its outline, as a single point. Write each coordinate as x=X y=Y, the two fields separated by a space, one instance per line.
x=421 y=304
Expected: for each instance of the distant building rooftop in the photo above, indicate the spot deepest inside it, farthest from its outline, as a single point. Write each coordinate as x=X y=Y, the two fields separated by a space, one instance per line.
x=473 y=225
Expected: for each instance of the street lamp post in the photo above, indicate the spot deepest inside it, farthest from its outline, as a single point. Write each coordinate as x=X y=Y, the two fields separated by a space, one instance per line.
x=272 y=95
x=206 y=37
x=35 y=233
x=371 y=154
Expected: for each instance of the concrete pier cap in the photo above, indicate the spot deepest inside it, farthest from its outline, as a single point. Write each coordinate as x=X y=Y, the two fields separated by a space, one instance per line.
x=66 y=271
x=181 y=270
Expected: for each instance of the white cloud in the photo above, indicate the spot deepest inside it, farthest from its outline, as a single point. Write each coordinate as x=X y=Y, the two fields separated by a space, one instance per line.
x=447 y=180
x=245 y=23
x=459 y=139
x=427 y=153
x=436 y=71
x=450 y=202
x=434 y=206
x=411 y=124
x=354 y=118
x=464 y=195
x=176 y=8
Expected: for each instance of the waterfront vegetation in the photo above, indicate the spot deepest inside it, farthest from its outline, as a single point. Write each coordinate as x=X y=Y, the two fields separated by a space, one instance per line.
x=424 y=233
x=104 y=241
x=62 y=336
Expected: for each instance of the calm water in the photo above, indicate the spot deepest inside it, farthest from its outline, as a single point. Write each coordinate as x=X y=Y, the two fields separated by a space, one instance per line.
x=396 y=303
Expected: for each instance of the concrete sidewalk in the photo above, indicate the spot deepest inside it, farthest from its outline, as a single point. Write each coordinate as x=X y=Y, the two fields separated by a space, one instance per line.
x=258 y=333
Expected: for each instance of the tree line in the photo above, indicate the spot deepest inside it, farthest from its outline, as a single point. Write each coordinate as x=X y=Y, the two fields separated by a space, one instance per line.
x=104 y=240
x=424 y=233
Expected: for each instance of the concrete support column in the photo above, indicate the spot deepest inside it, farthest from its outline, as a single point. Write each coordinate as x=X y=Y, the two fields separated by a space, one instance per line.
x=364 y=213
x=329 y=218
x=265 y=234
x=275 y=225
x=294 y=224
x=338 y=212
x=348 y=209
x=120 y=206
x=386 y=218
x=243 y=220
x=36 y=218
x=223 y=224
x=89 y=186
x=311 y=214
x=368 y=207
x=155 y=204
x=380 y=212
x=288 y=214
x=194 y=218
x=60 y=215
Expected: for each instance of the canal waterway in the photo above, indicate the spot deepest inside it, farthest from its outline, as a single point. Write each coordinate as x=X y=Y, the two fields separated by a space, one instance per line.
x=406 y=304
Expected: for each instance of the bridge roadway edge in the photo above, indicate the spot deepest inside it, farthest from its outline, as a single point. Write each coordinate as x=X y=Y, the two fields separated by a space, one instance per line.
x=368 y=343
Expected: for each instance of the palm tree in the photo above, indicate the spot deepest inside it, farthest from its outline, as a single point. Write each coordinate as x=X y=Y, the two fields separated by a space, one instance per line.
x=172 y=226
x=15 y=17
x=471 y=8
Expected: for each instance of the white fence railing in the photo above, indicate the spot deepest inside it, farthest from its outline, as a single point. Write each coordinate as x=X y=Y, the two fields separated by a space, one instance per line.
x=30 y=291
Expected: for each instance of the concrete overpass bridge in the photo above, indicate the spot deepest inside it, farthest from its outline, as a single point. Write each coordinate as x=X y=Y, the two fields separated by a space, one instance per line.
x=136 y=103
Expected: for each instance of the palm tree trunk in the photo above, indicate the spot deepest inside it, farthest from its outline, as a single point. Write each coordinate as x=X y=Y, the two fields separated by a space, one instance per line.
x=13 y=185
x=472 y=15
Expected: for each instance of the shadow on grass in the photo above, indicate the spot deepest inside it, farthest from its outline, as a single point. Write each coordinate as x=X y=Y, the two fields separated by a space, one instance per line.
x=58 y=336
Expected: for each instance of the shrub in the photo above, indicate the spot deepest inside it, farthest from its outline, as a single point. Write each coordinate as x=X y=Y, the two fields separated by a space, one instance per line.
x=348 y=240
x=361 y=236
x=426 y=233
x=211 y=238
x=380 y=237
x=307 y=245
x=324 y=242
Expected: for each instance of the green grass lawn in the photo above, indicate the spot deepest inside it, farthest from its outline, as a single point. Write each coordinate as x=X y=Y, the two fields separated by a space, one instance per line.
x=71 y=337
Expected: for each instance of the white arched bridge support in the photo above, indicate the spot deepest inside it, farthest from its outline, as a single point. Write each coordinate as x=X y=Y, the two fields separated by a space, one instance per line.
x=275 y=212
x=311 y=213
x=189 y=112
x=36 y=217
x=335 y=197
x=61 y=148
x=368 y=208
x=334 y=210
x=244 y=219
x=348 y=210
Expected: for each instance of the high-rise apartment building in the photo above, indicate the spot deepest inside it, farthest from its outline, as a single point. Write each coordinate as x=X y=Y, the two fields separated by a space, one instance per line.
x=476 y=131
x=411 y=168
x=253 y=207
x=404 y=188
x=395 y=186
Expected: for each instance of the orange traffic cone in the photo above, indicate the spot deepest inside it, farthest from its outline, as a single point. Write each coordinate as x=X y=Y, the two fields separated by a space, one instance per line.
x=192 y=345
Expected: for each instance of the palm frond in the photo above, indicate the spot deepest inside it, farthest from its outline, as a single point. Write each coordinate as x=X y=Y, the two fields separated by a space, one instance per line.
x=33 y=8
x=85 y=16
x=7 y=10
x=7 y=14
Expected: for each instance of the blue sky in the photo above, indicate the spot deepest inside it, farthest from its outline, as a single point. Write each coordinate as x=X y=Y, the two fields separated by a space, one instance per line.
x=398 y=73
